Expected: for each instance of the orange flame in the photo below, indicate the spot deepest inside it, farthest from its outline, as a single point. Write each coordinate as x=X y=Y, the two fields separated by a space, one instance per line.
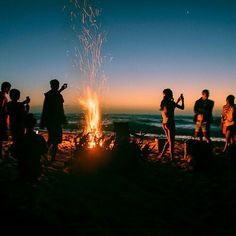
x=92 y=117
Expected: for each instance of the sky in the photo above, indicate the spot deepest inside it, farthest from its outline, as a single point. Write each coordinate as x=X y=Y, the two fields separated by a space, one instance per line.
x=183 y=45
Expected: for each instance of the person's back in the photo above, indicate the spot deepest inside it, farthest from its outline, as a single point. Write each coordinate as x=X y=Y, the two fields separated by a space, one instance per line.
x=33 y=146
x=17 y=112
x=53 y=116
x=168 y=112
x=53 y=111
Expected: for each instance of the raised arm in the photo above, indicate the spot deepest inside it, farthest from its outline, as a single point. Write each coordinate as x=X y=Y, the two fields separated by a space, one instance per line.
x=181 y=98
x=63 y=87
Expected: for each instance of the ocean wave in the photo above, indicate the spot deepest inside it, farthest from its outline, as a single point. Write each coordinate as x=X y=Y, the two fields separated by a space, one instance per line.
x=150 y=124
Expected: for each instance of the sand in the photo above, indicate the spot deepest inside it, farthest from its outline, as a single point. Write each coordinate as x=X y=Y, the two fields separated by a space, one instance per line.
x=157 y=197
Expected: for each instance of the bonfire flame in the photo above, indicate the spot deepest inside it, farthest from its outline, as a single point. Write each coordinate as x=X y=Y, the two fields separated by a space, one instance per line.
x=88 y=58
x=92 y=118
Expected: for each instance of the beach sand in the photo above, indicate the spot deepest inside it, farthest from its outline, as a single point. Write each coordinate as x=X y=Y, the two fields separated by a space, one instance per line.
x=157 y=197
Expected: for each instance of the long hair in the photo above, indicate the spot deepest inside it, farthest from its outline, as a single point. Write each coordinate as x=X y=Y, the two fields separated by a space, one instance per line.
x=168 y=97
x=230 y=99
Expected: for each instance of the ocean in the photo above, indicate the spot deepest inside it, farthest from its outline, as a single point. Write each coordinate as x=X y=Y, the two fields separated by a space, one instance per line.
x=150 y=124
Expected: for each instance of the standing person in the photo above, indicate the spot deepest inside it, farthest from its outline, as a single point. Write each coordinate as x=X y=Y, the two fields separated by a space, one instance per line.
x=168 y=106
x=5 y=88
x=17 y=112
x=228 y=121
x=53 y=116
x=203 y=116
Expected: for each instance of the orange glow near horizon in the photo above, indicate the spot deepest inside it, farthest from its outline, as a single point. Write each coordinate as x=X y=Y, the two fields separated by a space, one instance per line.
x=145 y=96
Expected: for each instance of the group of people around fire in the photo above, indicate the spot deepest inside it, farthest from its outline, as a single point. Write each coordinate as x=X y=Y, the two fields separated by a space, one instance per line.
x=28 y=147
x=203 y=119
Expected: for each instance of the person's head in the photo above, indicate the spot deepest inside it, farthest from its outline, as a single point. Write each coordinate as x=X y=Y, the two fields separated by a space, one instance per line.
x=5 y=87
x=167 y=94
x=30 y=121
x=205 y=94
x=54 y=84
x=230 y=100
x=14 y=95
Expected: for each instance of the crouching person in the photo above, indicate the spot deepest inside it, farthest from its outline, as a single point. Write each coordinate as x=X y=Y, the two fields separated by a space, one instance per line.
x=33 y=148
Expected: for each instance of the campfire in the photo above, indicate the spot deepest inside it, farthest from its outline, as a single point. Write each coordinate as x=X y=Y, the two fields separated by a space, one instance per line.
x=92 y=130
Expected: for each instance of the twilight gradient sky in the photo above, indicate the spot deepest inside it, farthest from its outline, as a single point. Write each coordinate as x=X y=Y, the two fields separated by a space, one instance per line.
x=184 y=45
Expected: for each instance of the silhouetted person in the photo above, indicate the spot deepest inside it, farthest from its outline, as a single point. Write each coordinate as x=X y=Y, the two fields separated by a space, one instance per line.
x=17 y=112
x=53 y=116
x=228 y=121
x=33 y=147
x=5 y=88
x=203 y=115
x=167 y=108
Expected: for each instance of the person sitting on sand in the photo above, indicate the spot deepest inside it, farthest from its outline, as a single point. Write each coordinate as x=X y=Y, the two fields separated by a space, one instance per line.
x=17 y=112
x=33 y=147
x=203 y=116
x=167 y=108
x=5 y=88
x=53 y=116
x=228 y=121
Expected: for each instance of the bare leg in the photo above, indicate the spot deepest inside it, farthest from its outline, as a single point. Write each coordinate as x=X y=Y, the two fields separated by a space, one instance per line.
x=169 y=142
x=232 y=137
x=172 y=143
x=166 y=143
x=164 y=148
x=206 y=137
x=198 y=135
x=227 y=139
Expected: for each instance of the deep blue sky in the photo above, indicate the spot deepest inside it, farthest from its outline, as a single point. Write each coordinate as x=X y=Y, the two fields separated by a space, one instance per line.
x=184 y=45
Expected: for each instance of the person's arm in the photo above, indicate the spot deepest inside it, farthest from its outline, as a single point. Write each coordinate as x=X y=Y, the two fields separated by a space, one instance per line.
x=196 y=107
x=63 y=87
x=26 y=104
x=181 y=98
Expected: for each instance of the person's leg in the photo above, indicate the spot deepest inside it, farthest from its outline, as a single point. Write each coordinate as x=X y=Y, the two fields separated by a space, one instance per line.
x=206 y=131
x=197 y=131
x=172 y=140
x=169 y=139
x=54 y=138
x=231 y=139
x=50 y=143
x=53 y=151
x=227 y=139
x=167 y=142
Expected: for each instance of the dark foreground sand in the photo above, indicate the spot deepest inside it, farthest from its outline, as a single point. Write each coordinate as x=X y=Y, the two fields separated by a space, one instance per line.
x=156 y=197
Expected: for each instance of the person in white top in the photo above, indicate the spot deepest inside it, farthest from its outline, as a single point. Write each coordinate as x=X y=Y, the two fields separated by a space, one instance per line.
x=228 y=118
